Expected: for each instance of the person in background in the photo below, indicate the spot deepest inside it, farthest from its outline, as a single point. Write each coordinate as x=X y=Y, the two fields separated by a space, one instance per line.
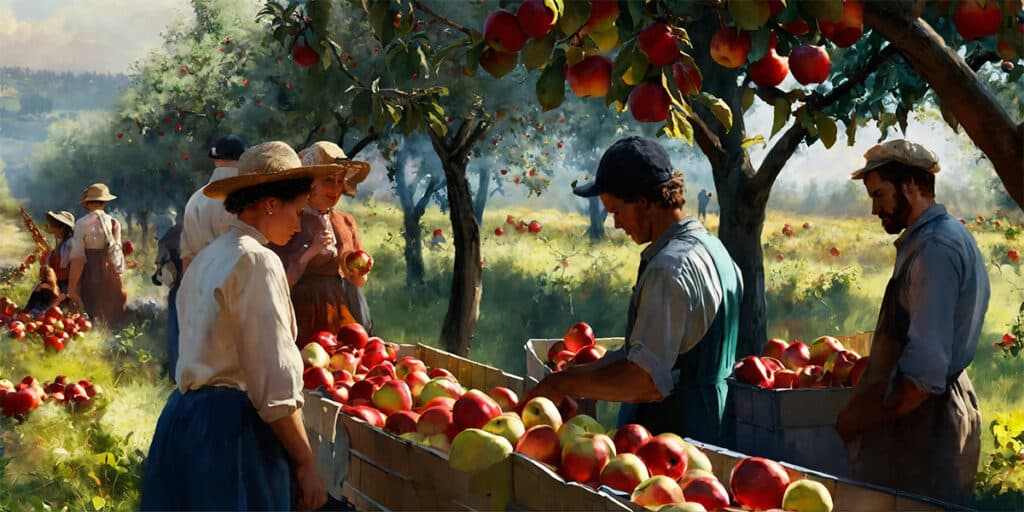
x=325 y=293
x=204 y=218
x=683 y=316
x=169 y=270
x=97 y=262
x=703 y=198
x=231 y=435
x=913 y=422
x=61 y=225
x=45 y=293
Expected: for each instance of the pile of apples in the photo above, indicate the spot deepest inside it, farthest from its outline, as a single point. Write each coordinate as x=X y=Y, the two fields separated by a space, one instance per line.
x=782 y=365
x=577 y=347
x=54 y=327
x=521 y=226
x=19 y=400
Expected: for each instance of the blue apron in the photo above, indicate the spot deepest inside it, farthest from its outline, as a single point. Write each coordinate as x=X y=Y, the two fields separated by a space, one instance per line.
x=696 y=405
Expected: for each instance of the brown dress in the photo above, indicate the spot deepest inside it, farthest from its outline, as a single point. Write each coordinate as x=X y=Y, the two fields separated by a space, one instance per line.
x=103 y=296
x=323 y=299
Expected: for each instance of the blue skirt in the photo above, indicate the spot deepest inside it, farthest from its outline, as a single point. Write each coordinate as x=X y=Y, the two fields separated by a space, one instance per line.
x=212 y=451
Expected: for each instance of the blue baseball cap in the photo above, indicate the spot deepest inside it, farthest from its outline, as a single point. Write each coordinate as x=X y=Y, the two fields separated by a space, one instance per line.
x=229 y=147
x=628 y=168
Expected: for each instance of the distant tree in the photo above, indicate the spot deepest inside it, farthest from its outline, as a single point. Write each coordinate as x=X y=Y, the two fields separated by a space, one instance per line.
x=33 y=103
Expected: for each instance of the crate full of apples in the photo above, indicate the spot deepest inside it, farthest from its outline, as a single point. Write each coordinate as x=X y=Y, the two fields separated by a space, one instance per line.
x=785 y=402
x=577 y=346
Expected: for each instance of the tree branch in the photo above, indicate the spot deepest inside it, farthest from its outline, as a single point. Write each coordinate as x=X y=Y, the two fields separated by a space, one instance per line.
x=777 y=157
x=459 y=140
x=709 y=143
x=853 y=80
x=441 y=19
x=359 y=146
x=432 y=187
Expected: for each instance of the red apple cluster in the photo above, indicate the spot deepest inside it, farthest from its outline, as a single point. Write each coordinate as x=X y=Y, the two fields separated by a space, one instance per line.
x=15 y=273
x=783 y=365
x=1010 y=344
x=54 y=328
x=521 y=226
x=19 y=400
x=577 y=347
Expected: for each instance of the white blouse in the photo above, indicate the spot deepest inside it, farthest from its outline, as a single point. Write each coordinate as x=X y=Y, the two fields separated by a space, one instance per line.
x=98 y=230
x=238 y=325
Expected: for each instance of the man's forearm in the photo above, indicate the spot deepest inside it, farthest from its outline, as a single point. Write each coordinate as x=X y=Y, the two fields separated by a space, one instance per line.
x=621 y=381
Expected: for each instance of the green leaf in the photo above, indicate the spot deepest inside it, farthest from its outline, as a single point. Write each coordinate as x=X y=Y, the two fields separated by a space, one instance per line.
x=829 y=10
x=750 y=141
x=437 y=123
x=717 y=107
x=759 y=44
x=551 y=85
x=381 y=19
x=379 y=115
x=449 y=52
x=677 y=127
x=537 y=52
x=747 y=99
x=781 y=115
x=827 y=129
x=851 y=129
x=320 y=13
x=473 y=57
x=326 y=55
x=98 y=503
x=574 y=16
x=106 y=458
x=623 y=60
x=362 y=104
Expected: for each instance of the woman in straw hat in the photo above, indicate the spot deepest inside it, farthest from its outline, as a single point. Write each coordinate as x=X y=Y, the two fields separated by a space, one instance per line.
x=325 y=293
x=96 y=259
x=61 y=225
x=231 y=435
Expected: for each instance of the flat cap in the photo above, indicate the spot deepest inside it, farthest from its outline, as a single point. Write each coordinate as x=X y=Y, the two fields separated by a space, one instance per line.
x=899 y=150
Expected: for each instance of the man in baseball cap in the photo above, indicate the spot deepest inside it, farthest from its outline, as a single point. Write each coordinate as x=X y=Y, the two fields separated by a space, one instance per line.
x=914 y=410
x=683 y=316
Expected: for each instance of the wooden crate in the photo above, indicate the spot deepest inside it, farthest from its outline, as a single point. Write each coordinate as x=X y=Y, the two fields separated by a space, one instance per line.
x=794 y=425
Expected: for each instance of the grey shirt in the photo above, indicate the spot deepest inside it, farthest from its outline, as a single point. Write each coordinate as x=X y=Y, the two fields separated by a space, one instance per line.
x=944 y=287
x=676 y=299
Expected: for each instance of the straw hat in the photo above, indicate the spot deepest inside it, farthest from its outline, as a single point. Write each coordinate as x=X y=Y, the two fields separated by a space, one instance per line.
x=97 y=192
x=266 y=163
x=324 y=152
x=63 y=217
x=899 y=150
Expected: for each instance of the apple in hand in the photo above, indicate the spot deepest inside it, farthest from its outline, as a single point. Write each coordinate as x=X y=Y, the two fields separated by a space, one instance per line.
x=578 y=336
x=359 y=262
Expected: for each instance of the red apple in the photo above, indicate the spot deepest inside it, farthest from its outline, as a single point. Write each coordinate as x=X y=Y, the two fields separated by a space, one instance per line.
x=344 y=361
x=656 y=491
x=585 y=456
x=362 y=390
x=304 y=55
x=557 y=347
x=822 y=348
x=630 y=437
x=658 y=43
x=784 y=379
x=365 y=413
x=498 y=64
x=588 y=354
x=353 y=335
x=502 y=32
x=841 y=365
x=1013 y=255
x=649 y=102
x=408 y=365
x=664 y=454
x=504 y=397
x=772 y=365
x=809 y=64
x=591 y=77
x=834 y=251
x=797 y=27
x=707 y=491
x=796 y=356
x=769 y=70
x=359 y=262
x=315 y=377
x=775 y=348
x=751 y=370
x=810 y=376
x=973 y=21
x=562 y=359
x=444 y=402
x=624 y=472
x=535 y=18
x=849 y=29
x=730 y=47
x=384 y=369
x=758 y=483
x=53 y=343
x=858 y=370
x=603 y=14
x=440 y=372
x=393 y=396
x=326 y=340
x=687 y=78
x=474 y=409
x=534 y=227
x=401 y=422
x=541 y=444
x=374 y=353
x=416 y=380
x=578 y=336
x=499 y=231
x=435 y=420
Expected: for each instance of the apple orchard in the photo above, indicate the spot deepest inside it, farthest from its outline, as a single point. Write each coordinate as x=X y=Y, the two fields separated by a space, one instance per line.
x=692 y=67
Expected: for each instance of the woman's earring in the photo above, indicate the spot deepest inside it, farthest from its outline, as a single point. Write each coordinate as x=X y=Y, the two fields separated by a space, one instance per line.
x=269 y=212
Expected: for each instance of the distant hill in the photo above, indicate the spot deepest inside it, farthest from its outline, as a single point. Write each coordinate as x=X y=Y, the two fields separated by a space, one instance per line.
x=26 y=92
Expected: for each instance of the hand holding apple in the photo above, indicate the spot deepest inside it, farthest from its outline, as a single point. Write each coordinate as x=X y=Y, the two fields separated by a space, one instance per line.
x=359 y=262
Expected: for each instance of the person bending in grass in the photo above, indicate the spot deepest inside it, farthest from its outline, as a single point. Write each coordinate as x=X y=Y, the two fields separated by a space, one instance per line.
x=231 y=435
x=913 y=422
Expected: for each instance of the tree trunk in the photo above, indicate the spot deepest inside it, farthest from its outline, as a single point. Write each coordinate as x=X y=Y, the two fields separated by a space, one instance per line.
x=957 y=86
x=482 y=193
x=597 y=215
x=467 y=271
x=411 y=224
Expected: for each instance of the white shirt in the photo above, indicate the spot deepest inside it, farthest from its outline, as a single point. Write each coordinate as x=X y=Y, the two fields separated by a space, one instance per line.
x=238 y=324
x=205 y=218
x=93 y=231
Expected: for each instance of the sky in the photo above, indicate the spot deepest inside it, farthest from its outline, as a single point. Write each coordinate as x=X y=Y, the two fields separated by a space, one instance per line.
x=108 y=35
x=82 y=35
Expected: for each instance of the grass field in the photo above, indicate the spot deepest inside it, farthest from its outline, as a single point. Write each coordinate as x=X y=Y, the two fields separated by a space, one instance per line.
x=527 y=293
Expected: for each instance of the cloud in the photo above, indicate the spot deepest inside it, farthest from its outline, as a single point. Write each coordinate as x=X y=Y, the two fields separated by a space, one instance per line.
x=84 y=35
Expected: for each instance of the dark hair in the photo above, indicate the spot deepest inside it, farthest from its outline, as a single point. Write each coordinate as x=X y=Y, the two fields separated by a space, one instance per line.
x=286 y=190
x=64 y=229
x=670 y=194
x=900 y=174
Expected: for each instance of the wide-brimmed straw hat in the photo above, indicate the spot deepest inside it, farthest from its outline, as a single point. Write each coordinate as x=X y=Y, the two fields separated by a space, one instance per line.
x=325 y=153
x=62 y=217
x=97 y=192
x=266 y=163
x=899 y=150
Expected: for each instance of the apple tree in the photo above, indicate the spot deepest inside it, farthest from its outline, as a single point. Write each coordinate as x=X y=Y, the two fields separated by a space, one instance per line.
x=695 y=67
